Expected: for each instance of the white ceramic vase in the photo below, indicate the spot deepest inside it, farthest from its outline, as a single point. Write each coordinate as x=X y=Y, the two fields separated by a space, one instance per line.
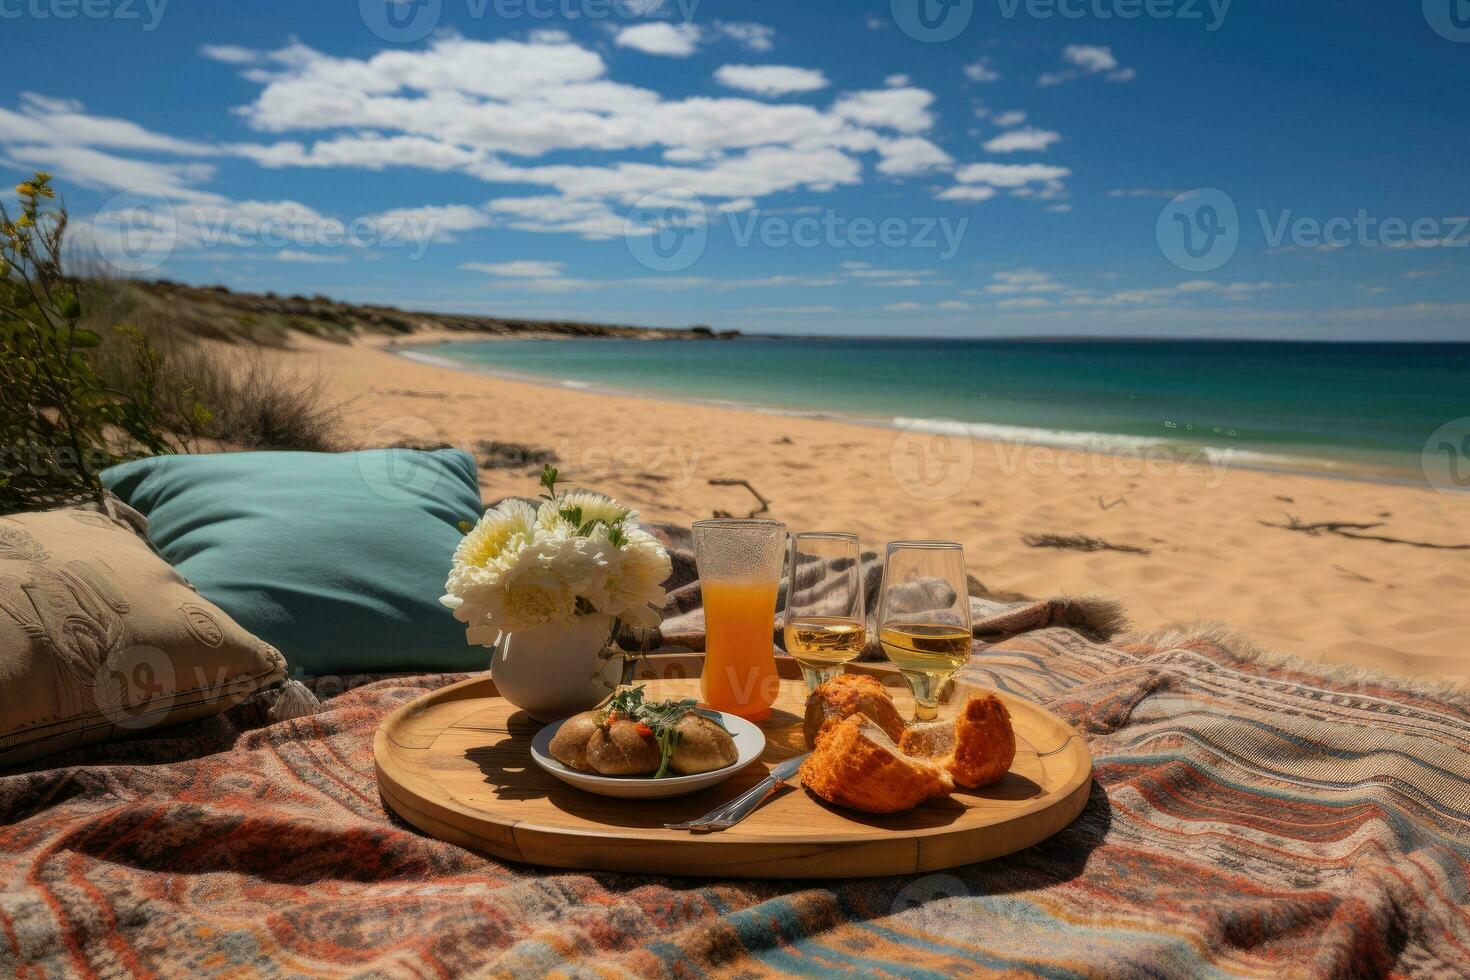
x=555 y=671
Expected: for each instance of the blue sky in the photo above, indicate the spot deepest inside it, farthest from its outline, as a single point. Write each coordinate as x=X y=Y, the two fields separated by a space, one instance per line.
x=775 y=166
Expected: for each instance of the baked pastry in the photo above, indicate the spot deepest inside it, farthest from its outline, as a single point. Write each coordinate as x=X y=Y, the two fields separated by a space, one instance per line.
x=569 y=746
x=976 y=747
x=701 y=746
x=621 y=748
x=846 y=695
x=856 y=764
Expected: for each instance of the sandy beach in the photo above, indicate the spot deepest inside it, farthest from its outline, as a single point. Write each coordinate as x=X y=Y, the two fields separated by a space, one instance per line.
x=1194 y=540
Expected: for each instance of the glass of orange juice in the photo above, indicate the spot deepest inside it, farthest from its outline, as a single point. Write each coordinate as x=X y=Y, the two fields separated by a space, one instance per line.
x=739 y=576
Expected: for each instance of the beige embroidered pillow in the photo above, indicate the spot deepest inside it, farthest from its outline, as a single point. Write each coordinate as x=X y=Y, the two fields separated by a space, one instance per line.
x=101 y=638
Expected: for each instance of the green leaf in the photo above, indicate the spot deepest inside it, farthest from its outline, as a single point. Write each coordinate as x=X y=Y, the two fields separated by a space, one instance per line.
x=85 y=338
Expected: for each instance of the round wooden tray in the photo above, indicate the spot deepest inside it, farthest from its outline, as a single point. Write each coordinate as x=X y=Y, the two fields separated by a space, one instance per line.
x=456 y=764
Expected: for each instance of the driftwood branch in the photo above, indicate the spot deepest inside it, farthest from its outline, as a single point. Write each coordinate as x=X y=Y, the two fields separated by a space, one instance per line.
x=1078 y=542
x=765 y=505
x=1352 y=530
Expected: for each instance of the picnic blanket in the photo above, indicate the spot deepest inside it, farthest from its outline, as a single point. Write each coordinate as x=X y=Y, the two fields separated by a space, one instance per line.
x=1251 y=816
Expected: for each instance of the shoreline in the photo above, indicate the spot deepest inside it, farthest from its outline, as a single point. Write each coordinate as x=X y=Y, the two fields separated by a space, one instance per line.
x=1197 y=454
x=1180 y=545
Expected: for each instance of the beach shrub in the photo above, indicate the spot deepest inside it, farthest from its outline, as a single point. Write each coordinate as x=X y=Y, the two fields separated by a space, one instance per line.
x=90 y=378
x=61 y=422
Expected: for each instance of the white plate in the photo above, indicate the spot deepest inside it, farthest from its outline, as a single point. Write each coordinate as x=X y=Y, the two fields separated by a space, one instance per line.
x=750 y=742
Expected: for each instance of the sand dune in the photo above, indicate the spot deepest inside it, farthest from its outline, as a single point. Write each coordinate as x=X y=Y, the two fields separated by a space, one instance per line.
x=1208 y=555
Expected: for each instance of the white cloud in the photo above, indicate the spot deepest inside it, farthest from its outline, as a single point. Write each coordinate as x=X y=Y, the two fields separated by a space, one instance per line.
x=955 y=304
x=791 y=310
x=1012 y=118
x=1023 y=281
x=1024 y=303
x=430 y=223
x=667 y=40
x=969 y=194
x=981 y=71
x=752 y=37
x=308 y=258
x=230 y=54
x=1087 y=59
x=1028 y=139
x=1127 y=192
x=1009 y=175
x=903 y=109
x=520 y=269
x=896 y=81
x=771 y=79
x=911 y=155
x=903 y=307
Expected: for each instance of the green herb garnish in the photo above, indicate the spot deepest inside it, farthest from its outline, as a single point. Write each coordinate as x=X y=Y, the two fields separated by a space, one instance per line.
x=660 y=716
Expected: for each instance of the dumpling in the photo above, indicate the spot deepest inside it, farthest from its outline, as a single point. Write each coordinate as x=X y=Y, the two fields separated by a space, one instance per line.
x=621 y=749
x=569 y=745
x=703 y=746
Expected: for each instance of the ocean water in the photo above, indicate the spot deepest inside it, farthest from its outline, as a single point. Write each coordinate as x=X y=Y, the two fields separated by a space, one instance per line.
x=1360 y=409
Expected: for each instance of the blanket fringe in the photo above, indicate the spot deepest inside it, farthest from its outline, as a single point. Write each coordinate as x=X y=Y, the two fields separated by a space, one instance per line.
x=1245 y=650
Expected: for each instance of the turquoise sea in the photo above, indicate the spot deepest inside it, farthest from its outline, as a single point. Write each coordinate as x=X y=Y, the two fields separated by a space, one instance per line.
x=1355 y=408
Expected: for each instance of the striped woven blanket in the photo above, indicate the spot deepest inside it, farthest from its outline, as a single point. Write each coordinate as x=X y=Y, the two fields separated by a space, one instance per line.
x=1250 y=817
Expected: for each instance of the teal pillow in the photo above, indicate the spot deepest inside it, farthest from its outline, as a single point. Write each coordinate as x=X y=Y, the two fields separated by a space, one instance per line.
x=336 y=559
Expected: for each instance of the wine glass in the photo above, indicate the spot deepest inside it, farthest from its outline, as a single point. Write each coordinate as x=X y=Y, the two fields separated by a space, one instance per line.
x=824 y=604
x=924 y=617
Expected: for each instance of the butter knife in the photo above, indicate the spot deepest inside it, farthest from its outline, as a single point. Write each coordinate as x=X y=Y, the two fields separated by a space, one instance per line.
x=727 y=816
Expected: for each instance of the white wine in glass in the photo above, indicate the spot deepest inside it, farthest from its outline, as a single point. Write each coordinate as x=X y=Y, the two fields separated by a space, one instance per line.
x=924 y=617
x=824 y=604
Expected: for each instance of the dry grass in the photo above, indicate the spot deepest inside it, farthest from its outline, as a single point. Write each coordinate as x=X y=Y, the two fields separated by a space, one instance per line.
x=215 y=394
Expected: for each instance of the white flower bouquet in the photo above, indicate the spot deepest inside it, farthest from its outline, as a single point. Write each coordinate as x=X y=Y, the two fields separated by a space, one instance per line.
x=578 y=554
